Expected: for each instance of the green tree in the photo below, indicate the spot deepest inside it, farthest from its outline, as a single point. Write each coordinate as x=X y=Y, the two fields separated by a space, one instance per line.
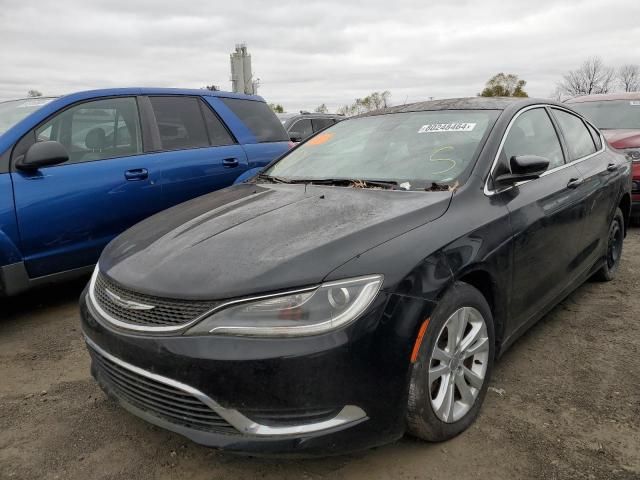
x=322 y=108
x=276 y=107
x=34 y=93
x=504 y=85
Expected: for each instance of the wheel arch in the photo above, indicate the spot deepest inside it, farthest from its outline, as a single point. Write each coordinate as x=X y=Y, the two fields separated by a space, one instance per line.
x=482 y=280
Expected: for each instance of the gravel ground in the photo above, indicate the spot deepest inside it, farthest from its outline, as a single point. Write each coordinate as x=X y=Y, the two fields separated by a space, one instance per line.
x=563 y=404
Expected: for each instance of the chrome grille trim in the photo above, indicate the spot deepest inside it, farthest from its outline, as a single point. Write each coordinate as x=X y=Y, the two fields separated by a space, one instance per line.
x=350 y=415
x=135 y=319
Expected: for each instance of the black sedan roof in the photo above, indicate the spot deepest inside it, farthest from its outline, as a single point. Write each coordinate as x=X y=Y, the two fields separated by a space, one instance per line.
x=468 y=103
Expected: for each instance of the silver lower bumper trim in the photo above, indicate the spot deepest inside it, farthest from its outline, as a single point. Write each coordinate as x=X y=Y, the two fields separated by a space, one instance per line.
x=350 y=414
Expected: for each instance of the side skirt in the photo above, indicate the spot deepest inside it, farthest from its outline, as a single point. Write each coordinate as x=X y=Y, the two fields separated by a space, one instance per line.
x=14 y=278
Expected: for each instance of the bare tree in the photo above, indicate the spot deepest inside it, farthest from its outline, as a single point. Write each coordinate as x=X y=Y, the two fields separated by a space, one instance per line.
x=557 y=95
x=373 y=101
x=34 y=93
x=629 y=77
x=322 y=108
x=592 y=77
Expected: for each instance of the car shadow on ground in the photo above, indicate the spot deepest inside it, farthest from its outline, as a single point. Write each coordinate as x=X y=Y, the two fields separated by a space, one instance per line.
x=40 y=298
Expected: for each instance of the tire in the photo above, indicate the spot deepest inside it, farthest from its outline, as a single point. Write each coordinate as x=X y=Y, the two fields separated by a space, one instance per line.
x=615 y=241
x=428 y=416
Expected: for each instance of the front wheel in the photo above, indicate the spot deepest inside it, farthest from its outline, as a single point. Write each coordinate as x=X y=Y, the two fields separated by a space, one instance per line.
x=450 y=376
x=615 y=240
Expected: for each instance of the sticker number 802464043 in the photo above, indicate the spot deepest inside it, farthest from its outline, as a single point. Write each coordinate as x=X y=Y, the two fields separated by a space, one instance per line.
x=447 y=127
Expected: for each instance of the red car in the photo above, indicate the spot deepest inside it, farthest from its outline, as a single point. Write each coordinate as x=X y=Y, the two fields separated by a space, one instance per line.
x=617 y=115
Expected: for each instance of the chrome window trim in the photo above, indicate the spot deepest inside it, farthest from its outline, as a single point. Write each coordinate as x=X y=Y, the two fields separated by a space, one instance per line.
x=488 y=192
x=350 y=414
x=168 y=329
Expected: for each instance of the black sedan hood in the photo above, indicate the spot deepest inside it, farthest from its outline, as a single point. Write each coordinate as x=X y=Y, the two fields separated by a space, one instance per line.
x=250 y=239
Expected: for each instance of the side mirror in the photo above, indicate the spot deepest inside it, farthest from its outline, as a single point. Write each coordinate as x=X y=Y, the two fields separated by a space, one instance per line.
x=42 y=154
x=523 y=167
x=295 y=136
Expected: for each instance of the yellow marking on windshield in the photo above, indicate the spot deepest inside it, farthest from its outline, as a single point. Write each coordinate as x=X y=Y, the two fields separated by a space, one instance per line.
x=452 y=162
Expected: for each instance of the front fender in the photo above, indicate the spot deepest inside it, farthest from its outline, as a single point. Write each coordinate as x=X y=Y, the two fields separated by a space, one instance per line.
x=9 y=252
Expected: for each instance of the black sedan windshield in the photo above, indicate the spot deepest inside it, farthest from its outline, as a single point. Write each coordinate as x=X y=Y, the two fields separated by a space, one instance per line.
x=13 y=111
x=611 y=114
x=414 y=147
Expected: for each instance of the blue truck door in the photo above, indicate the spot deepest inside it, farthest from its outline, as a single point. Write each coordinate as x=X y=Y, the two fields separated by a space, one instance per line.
x=197 y=153
x=67 y=213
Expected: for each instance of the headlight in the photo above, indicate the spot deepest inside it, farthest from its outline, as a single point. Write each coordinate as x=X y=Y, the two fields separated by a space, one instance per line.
x=295 y=313
x=633 y=155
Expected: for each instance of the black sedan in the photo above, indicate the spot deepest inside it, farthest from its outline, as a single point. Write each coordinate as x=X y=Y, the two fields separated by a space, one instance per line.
x=362 y=286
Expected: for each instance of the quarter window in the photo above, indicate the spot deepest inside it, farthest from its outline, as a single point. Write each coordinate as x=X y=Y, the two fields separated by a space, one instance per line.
x=579 y=140
x=96 y=130
x=180 y=122
x=596 y=137
x=532 y=133
x=258 y=118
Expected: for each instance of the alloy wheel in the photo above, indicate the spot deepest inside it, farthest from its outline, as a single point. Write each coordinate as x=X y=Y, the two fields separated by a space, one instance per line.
x=458 y=364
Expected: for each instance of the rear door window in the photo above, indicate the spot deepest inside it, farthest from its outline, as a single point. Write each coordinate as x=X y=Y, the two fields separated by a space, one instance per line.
x=218 y=133
x=579 y=140
x=258 y=118
x=303 y=128
x=180 y=122
x=322 y=123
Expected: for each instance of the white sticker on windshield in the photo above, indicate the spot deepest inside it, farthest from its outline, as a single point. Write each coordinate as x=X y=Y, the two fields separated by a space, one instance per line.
x=447 y=127
x=635 y=103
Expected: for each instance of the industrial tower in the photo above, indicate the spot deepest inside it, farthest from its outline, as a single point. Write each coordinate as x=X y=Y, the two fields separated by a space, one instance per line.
x=241 y=77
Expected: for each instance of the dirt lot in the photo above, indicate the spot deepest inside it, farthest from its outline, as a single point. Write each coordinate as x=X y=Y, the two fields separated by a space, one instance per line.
x=564 y=403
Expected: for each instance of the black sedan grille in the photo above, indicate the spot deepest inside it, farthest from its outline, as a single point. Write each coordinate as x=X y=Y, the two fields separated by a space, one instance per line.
x=158 y=399
x=164 y=312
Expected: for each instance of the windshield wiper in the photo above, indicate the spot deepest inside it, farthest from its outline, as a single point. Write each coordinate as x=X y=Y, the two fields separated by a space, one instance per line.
x=347 y=182
x=441 y=187
x=271 y=178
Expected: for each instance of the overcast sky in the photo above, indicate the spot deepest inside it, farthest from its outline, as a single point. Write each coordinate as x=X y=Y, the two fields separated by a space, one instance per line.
x=307 y=53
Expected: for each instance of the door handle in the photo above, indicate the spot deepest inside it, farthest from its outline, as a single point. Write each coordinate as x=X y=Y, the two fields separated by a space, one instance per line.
x=230 y=162
x=136 y=174
x=575 y=183
x=612 y=167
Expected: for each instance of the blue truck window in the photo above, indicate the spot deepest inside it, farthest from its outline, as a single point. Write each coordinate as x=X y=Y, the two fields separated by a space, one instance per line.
x=96 y=130
x=180 y=123
x=218 y=133
x=259 y=118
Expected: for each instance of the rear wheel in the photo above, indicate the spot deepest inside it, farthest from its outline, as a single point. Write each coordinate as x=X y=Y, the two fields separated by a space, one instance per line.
x=615 y=241
x=450 y=376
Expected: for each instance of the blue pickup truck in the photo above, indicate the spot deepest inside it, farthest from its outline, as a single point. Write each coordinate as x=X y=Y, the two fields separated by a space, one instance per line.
x=77 y=170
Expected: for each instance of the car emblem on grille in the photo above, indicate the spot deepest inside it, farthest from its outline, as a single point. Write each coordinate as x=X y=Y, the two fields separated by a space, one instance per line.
x=128 y=304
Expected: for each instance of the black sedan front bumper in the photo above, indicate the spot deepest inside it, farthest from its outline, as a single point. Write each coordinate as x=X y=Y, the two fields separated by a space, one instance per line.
x=326 y=394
